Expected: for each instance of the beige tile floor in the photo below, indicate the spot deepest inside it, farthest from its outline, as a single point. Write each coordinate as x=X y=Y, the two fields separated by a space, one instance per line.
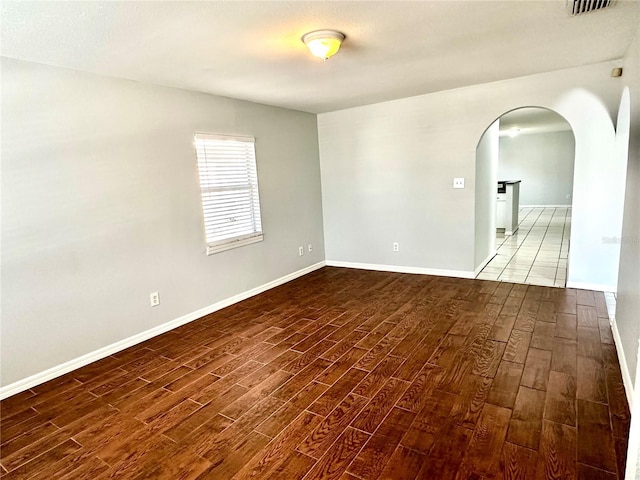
x=537 y=253
x=611 y=299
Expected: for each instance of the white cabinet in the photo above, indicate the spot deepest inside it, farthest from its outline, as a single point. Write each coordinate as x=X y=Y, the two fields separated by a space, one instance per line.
x=501 y=209
x=508 y=206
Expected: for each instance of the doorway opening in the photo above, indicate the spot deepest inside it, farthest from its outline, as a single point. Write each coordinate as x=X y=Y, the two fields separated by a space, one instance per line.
x=526 y=162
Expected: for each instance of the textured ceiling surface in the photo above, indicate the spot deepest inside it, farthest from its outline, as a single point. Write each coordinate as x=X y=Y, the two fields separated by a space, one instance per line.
x=252 y=50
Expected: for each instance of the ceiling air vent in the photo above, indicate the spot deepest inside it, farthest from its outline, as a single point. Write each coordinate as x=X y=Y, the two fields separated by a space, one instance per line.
x=578 y=7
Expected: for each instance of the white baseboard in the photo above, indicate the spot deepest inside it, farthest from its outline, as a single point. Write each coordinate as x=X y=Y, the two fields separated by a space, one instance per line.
x=484 y=264
x=103 y=352
x=624 y=369
x=402 y=269
x=546 y=206
x=592 y=286
x=633 y=450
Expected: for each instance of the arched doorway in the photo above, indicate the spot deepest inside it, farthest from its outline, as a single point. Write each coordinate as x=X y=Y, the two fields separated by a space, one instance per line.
x=524 y=190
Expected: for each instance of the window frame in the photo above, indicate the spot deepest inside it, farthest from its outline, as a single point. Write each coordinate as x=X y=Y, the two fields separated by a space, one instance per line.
x=221 y=245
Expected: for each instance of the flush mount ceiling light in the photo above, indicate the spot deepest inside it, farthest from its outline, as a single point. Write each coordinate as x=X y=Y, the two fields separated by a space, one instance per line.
x=323 y=43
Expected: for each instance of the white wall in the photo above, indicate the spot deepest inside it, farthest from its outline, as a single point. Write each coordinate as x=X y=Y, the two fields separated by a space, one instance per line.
x=100 y=207
x=544 y=163
x=387 y=172
x=627 y=319
x=487 y=157
x=628 y=301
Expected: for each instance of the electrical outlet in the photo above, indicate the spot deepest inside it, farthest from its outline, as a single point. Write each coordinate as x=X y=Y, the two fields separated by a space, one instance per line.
x=396 y=247
x=301 y=251
x=310 y=248
x=458 y=183
x=568 y=196
x=154 y=298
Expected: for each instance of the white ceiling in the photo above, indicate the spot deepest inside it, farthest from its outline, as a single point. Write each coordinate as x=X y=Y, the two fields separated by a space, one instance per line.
x=532 y=120
x=252 y=50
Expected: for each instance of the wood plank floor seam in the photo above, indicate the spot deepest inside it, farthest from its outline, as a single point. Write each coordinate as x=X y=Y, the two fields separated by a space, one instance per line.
x=343 y=374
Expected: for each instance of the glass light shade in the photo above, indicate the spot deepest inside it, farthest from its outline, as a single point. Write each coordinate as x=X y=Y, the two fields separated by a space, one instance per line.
x=323 y=43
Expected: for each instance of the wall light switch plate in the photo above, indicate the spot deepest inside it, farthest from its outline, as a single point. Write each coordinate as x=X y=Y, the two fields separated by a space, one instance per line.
x=458 y=183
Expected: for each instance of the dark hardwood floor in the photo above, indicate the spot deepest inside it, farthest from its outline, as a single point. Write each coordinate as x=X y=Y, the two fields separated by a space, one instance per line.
x=344 y=374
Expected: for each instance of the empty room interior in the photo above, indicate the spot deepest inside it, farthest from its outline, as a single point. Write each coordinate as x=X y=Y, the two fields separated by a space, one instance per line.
x=301 y=240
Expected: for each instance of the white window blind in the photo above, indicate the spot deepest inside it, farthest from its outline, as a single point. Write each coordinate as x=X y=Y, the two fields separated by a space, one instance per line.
x=229 y=188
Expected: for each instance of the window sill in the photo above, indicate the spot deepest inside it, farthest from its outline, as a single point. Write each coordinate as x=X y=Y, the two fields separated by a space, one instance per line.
x=233 y=244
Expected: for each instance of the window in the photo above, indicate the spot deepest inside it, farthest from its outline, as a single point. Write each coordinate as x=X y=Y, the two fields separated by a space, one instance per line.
x=229 y=188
